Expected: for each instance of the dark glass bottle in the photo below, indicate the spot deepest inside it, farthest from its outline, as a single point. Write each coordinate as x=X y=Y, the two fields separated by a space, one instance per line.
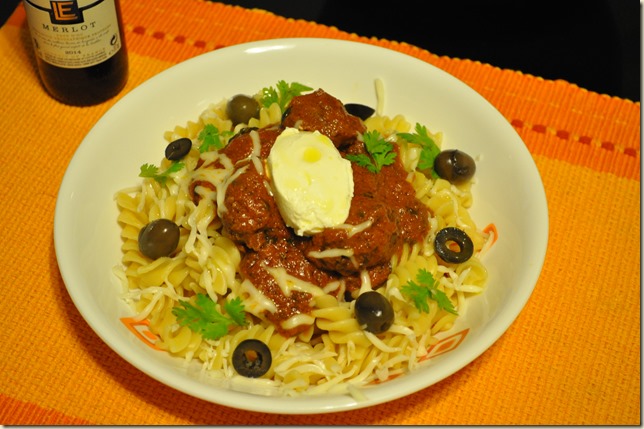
x=79 y=47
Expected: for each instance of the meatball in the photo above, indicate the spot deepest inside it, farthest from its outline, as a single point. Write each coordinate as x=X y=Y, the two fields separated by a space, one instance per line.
x=241 y=145
x=251 y=215
x=324 y=113
x=371 y=247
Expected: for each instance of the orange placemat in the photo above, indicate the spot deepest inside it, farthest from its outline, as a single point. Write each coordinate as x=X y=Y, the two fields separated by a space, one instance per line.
x=571 y=357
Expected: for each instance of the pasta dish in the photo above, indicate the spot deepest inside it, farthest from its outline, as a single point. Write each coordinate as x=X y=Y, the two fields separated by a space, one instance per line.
x=289 y=243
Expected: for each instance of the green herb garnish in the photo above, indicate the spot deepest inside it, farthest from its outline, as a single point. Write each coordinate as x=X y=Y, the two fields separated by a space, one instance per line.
x=420 y=293
x=282 y=94
x=429 y=149
x=206 y=320
x=210 y=137
x=152 y=171
x=381 y=152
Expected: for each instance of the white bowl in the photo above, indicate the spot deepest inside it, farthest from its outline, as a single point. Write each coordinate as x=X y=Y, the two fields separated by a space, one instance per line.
x=508 y=193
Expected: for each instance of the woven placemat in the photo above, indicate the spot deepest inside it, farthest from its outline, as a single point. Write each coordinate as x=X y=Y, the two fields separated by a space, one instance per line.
x=571 y=357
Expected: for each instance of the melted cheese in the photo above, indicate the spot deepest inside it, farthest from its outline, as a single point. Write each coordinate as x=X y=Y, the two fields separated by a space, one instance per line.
x=331 y=253
x=289 y=283
x=355 y=229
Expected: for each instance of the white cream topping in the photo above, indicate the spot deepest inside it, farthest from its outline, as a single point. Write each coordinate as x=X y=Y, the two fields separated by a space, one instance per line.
x=313 y=184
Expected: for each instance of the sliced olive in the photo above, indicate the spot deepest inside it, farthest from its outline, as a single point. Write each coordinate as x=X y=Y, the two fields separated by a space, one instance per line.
x=286 y=113
x=449 y=235
x=241 y=132
x=374 y=312
x=159 y=238
x=241 y=108
x=360 y=110
x=177 y=149
x=454 y=166
x=252 y=358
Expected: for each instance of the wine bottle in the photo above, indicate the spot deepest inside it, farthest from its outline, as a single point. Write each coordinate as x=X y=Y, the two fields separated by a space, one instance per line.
x=79 y=48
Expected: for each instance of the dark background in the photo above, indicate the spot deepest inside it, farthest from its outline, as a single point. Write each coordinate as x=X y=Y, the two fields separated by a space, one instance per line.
x=592 y=43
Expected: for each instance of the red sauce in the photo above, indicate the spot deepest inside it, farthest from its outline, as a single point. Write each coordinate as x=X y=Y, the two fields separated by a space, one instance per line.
x=253 y=221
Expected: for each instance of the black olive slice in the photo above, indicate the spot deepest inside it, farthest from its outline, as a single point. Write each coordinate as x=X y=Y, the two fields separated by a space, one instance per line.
x=453 y=235
x=252 y=358
x=360 y=110
x=241 y=132
x=286 y=113
x=159 y=238
x=177 y=149
x=374 y=312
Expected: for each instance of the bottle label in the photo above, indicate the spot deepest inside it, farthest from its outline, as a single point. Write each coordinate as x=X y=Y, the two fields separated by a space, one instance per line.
x=73 y=33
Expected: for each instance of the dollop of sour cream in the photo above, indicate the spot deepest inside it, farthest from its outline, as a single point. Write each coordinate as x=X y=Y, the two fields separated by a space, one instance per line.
x=312 y=183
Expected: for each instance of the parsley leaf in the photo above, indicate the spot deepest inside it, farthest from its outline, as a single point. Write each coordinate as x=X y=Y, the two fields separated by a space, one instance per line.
x=420 y=293
x=210 y=137
x=282 y=94
x=381 y=151
x=152 y=171
x=204 y=318
x=235 y=309
x=429 y=149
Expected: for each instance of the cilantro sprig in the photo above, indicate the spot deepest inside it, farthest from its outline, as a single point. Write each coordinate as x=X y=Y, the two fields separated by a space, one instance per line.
x=282 y=93
x=210 y=137
x=381 y=152
x=420 y=293
x=152 y=171
x=429 y=149
x=206 y=320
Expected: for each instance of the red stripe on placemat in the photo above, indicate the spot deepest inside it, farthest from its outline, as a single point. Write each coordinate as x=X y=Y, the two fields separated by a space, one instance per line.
x=17 y=412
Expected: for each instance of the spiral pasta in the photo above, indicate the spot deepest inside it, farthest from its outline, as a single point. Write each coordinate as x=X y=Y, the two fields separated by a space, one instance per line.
x=333 y=353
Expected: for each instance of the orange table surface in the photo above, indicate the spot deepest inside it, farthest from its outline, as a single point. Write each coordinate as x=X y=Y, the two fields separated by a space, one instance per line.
x=571 y=357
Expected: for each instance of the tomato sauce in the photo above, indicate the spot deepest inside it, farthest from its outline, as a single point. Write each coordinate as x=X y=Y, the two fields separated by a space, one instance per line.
x=386 y=200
